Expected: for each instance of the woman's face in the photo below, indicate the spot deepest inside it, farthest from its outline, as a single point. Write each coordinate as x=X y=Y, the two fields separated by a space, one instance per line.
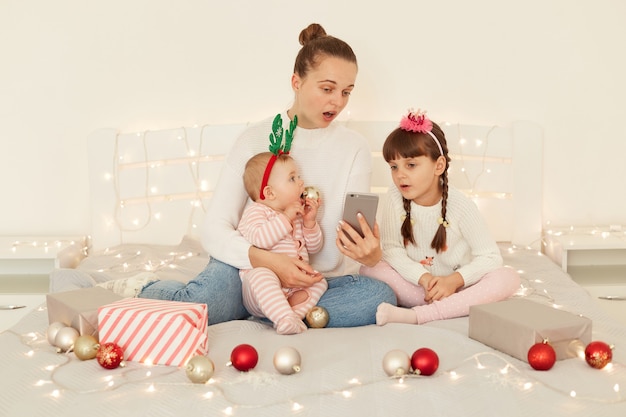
x=323 y=93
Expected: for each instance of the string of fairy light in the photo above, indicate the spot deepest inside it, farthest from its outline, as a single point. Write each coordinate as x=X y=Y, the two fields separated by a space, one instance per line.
x=150 y=194
x=51 y=245
x=43 y=244
x=464 y=157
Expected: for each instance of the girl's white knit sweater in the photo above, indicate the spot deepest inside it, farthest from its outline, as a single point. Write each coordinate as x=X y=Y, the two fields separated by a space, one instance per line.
x=471 y=250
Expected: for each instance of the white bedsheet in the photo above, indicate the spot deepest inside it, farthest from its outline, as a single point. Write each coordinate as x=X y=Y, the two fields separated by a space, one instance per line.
x=180 y=262
x=341 y=374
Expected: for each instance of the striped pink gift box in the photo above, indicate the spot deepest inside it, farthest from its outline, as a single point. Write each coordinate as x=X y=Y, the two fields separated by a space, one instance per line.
x=155 y=331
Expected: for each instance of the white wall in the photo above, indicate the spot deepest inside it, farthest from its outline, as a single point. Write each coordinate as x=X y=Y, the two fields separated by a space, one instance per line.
x=69 y=67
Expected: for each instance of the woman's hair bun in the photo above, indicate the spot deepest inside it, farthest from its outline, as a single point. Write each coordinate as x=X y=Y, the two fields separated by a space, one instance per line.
x=313 y=31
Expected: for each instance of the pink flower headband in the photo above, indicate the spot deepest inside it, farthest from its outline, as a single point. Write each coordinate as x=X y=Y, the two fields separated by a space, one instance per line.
x=416 y=121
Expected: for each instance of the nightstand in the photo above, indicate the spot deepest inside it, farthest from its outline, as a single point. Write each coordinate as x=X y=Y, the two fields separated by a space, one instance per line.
x=26 y=261
x=596 y=259
x=577 y=250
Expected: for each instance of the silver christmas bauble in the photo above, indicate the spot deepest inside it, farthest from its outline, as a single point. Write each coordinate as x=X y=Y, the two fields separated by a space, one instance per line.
x=396 y=363
x=199 y=369
x=287 y=360
x=65 y=338
x=52 y=331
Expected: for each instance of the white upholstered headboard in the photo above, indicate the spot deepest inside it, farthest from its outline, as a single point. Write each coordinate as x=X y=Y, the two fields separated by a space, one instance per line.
x=153 y=186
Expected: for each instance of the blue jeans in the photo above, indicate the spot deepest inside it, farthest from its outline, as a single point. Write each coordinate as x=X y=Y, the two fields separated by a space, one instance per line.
x=350 y=300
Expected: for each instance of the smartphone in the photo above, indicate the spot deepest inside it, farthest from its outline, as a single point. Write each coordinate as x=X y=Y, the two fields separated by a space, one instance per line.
x=363 y=203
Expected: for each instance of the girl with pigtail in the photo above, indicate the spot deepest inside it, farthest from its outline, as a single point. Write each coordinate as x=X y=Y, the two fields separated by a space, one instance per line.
x=438 y=255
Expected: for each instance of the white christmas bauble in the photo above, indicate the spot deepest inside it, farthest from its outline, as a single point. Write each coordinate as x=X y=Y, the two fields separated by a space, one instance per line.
x=199 y=369
x=52 y=331
x=396 y=363
x=287 y=360
x=65 y=338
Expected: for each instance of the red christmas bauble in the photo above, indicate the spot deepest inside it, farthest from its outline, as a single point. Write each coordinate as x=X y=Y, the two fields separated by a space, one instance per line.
x=541 y=356
x=424 y=361
x=110 y=355
x=244 y=357
x=598 y=354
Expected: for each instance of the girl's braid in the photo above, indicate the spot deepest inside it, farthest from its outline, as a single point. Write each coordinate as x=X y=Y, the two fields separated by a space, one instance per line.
x=407 y=227
x=439 y=241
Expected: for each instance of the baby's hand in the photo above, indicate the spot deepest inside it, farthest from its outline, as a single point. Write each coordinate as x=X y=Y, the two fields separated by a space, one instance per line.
x=293 y=210
x=311 y=205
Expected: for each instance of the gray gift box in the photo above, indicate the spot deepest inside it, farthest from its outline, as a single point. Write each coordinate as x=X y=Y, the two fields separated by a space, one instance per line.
x=513 y=326
x=79 y=308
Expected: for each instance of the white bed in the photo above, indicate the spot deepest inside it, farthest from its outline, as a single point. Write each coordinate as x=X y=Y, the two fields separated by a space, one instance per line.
x=149 y=192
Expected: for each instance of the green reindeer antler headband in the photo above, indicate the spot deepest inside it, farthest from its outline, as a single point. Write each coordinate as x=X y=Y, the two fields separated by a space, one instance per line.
x=276 y=146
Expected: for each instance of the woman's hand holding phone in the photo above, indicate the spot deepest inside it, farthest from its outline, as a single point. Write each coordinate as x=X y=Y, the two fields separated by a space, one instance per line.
x=358 y=236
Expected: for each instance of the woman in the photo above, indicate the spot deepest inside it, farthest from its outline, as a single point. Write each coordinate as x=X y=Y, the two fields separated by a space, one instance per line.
x=332 y=158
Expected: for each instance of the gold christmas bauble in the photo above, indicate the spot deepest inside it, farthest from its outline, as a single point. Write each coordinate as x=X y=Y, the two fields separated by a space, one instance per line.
x=86 y=347
x=311 y=192
x=317 y=317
